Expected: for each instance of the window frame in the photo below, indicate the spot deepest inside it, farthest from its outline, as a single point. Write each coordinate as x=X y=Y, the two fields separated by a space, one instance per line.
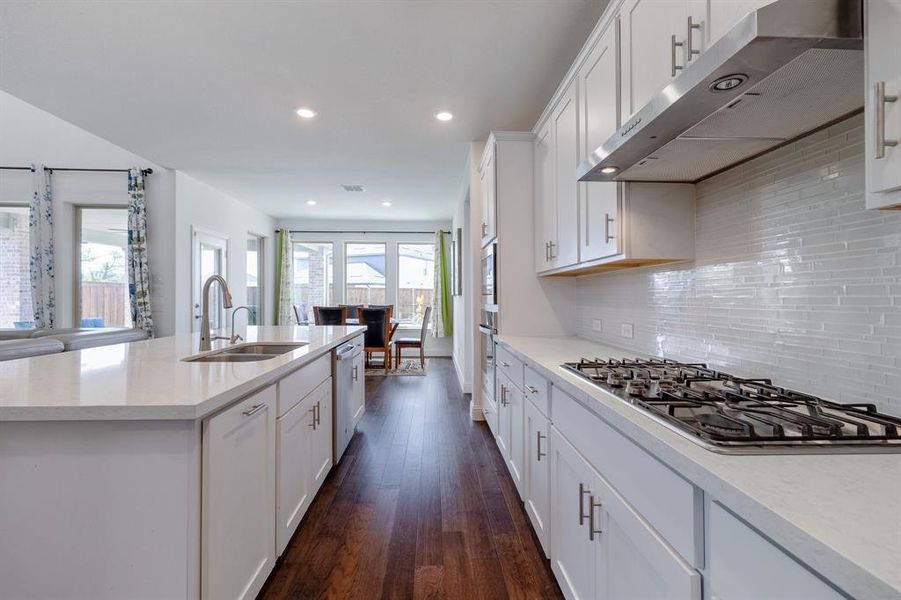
x=334 y=256
x=27 y=207
x=76 y=255
x=384 y=244
x=397 y=287
x=261 y=275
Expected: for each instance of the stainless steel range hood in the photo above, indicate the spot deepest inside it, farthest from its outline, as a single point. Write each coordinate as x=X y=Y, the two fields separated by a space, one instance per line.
x=784 y=70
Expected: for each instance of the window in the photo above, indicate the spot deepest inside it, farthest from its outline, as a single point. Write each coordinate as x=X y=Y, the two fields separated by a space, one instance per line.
x=364 y=273
x=255 y=270
x=103 y=281
x=15 y=280
x=415 y=281
x=313 y=277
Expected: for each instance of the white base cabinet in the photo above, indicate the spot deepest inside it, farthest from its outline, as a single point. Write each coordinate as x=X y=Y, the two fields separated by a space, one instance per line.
x=238 y=498
x=537 y=482
x=358 y=389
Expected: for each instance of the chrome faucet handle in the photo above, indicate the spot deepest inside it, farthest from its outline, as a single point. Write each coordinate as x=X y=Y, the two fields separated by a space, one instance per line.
x=235 y=336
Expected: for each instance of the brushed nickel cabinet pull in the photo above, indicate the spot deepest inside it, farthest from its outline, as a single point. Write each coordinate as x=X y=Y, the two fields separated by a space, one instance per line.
x=313 y=424
x=540 y=453
x=253 y=410
x=318 y=414
x=673 y=45
x=591 y=530
x=356 y=374
x=607 y=221
x=691 y=27
x=532 y=389
x=582 y=491
x=881 y=100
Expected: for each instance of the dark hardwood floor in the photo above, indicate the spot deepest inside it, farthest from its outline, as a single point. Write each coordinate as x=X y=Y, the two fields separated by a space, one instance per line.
x=420 y=506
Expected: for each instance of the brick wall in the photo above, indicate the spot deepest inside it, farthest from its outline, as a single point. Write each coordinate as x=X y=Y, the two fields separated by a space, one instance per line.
x=15 y=292
x=793 y=278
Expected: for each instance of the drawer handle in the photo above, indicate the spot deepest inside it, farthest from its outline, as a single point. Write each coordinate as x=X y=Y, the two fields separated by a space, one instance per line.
x=582 y=491
x=505 y=364
x=540 y=453
x=880 y=101
x=253 y=410
x=532 y=389
x=591 y=530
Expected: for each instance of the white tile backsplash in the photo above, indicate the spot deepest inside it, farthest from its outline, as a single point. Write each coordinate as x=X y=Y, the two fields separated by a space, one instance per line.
x=793 y=278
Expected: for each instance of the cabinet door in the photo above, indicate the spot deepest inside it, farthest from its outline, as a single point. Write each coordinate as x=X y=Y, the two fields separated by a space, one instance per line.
x=358 y=388
x=574 y=555
x=650 y=59
x=517 y=451
x=502 y=435
x=238 y=497
x=724 y=14
x=565 y=244
x=295 y=479
x=537 y=495
x=883 y=47
x=598 y=120
x=488 y=185
x=321 y=451
x=634 y=561
x=545 y=199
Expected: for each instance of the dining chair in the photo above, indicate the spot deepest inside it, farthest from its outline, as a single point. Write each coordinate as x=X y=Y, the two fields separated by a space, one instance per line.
x=329 y=315
x=378 y=332
x=412 y=342
x=300 y=314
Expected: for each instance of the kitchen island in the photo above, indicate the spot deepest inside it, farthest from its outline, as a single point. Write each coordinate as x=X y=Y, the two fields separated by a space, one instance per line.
x=127 y=471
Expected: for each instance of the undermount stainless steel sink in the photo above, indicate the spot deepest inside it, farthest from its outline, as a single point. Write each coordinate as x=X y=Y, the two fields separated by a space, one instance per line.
x=248 y=352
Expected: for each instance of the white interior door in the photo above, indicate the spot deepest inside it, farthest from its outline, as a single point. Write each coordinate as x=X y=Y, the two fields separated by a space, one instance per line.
x=210 y=257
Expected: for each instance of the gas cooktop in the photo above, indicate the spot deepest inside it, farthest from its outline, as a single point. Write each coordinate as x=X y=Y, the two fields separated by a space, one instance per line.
x=743 y=416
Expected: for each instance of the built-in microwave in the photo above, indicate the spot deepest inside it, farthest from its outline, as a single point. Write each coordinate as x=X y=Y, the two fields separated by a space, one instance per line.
x=489 y=277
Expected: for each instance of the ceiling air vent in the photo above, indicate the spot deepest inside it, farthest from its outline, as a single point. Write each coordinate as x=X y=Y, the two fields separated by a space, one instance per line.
x=352 y=188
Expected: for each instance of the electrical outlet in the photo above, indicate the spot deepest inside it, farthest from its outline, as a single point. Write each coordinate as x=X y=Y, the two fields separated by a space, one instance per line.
x=626 y=330
x=596 y=325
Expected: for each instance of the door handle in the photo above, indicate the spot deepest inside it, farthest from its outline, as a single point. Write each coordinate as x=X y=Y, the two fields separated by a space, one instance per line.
x=532 y=389
x=318 y=414
x=313 y=424
x=673 y=45
x=582 y=491
x=355 y=373
x=540 y=453
x=881 y=100
x=607 y=221
x=591 y=530
x=253 y=410
x=688 y=40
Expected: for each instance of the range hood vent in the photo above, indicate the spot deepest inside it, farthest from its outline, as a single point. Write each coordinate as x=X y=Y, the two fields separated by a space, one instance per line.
x=784 y=70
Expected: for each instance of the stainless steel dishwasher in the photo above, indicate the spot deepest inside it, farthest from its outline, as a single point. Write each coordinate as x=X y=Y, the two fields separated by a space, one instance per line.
x=344 y=427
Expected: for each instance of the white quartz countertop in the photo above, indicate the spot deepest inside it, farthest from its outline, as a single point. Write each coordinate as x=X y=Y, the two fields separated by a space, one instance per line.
x=148 y=380
x=838 y=513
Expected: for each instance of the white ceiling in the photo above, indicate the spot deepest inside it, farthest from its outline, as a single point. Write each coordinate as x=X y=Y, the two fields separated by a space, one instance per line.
x=210 y=88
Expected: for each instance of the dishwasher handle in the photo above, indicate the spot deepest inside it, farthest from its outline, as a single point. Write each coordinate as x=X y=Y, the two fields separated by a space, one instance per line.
x=347 y=351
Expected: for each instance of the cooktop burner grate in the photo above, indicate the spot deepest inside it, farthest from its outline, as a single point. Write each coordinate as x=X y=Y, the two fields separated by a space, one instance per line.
x=733 y=414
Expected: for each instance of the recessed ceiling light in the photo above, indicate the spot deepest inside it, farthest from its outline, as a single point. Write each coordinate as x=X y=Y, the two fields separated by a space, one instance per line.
x=444 y=116
x=311 y=203
x=609 y=170
x=386 y=203
x=306 y=113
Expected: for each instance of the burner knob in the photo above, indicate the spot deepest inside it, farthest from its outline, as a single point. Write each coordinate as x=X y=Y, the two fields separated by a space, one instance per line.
x=635 y=387
x=615 y=379
x=654 y=388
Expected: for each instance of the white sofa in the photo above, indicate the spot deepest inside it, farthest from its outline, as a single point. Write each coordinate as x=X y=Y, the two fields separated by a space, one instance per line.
x=22 y=343
x=23 y=348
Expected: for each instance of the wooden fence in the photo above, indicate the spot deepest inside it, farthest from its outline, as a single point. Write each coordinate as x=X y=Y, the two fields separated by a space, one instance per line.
x=107 y=301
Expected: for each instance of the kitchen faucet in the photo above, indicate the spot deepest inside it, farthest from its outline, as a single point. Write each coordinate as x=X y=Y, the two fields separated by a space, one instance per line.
x=205 y=338
x=235 y=336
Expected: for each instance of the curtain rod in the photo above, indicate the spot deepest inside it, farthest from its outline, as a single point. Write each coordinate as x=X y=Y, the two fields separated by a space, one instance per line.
x=361 y=232
x=51 y=169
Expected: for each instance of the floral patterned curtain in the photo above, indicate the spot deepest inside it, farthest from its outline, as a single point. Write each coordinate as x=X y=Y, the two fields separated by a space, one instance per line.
x=40 y=227
x=284 y=280
x=136 y=261
x=442 y=323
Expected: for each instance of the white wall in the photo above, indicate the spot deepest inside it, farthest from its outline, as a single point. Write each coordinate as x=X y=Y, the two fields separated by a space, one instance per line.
x=201 y=206
x=30 y=135
x=463 y=322
x=389 y=232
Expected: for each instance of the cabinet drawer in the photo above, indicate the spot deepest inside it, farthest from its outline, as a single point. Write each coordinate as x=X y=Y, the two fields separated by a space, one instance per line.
x=298 y=385
x=732 y=546
x=668 y=502
x=509 y=365
x=537 y=390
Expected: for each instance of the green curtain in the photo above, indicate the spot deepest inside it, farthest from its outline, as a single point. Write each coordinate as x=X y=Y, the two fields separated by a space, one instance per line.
x=444 y=319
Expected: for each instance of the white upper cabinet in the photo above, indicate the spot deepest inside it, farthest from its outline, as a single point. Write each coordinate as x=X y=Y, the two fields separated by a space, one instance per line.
x=883 y=103
x=545 y=201
x=653 y=48
x=599 y=203
x=488 y=187
x=565 y=245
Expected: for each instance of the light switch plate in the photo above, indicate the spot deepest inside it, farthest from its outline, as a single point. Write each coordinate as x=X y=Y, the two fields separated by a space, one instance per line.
x=626 y=330
x=596 y=325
